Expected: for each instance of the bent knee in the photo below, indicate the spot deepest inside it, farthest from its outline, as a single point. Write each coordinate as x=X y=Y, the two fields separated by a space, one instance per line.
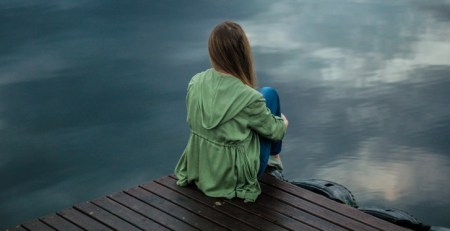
x=268 y=92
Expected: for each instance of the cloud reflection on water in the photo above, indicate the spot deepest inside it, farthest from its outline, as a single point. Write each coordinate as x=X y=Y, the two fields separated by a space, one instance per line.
x=31 y=67
x=380 y=48
x=388 y=171
x=361 y=92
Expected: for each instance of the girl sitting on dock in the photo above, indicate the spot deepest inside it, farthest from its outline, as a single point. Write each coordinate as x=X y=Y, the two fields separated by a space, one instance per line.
x=236 y=131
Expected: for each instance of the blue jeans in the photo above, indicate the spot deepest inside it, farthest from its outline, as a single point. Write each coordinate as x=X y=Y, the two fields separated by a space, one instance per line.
x=269 y=147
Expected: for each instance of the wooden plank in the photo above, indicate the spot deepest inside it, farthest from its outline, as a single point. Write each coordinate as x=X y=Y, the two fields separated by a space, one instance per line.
x=127 y=214
x=195 y=207
x=149 y=212
x=174 y=209
x=162 y=205
x=222 y=205
x=37 y=225
x=105 y=217
x=268 y=204
x=316 y=210
x=59 y=223
x=330 y=204
x=265 y=203
x=269 y=214
x=82 y=220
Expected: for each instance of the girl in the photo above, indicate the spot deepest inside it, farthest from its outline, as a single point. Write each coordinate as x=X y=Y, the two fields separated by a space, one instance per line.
x=234 y=128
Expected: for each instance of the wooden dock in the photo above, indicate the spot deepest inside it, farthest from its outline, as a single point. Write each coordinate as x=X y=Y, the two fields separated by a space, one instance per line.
x=162 y=205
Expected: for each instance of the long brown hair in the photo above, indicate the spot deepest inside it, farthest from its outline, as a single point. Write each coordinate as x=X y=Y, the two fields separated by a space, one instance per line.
x=230 y=52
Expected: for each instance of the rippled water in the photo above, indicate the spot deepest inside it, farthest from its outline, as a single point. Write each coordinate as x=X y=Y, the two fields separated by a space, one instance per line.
x=92 y=95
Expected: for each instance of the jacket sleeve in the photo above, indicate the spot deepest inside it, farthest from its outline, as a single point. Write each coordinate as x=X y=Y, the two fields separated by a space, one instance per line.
x=261 y=120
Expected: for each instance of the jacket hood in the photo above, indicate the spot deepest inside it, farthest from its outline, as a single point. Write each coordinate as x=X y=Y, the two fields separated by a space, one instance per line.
x=219 y=97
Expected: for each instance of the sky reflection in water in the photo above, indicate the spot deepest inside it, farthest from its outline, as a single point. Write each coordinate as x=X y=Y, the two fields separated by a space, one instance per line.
x=92 y=95
x=372 y=95
x=370 y=84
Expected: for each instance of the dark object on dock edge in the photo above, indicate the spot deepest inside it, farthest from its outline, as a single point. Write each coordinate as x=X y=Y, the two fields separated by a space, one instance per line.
x=401 y=218
x=341 y=194
x=329 y=189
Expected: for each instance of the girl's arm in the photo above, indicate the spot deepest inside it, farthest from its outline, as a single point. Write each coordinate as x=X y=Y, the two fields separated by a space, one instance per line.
x=261 y=120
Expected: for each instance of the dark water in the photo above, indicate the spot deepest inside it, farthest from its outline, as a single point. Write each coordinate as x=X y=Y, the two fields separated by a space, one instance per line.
x=92 y=95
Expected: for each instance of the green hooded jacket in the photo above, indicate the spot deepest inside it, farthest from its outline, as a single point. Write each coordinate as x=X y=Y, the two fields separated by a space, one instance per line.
x=226 y=118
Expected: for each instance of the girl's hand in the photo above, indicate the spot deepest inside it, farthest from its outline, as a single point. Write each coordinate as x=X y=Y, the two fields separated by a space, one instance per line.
x=286 y=122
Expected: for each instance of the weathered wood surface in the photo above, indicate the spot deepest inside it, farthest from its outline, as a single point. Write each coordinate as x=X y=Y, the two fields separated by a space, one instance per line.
x=162 y=205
